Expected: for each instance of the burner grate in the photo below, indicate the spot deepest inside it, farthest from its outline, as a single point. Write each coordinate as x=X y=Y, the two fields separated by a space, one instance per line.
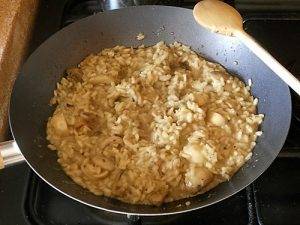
x=43 y=206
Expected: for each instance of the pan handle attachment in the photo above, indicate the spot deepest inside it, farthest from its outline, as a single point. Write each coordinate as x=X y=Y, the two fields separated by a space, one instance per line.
x=10 y=154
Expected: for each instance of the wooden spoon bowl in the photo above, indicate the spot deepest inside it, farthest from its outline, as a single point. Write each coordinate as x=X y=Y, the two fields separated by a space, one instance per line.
x=221 y=18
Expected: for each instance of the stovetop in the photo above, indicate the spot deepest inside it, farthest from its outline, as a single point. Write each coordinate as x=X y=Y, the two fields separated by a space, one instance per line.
x=274 y=198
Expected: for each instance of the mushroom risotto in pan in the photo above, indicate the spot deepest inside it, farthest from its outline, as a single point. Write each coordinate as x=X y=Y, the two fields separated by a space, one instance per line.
x=149 y=125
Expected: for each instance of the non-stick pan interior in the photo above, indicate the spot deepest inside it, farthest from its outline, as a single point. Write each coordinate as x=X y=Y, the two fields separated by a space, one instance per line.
x=35 y=84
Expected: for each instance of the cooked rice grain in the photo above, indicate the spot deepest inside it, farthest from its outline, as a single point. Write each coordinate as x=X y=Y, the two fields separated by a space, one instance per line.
x=152 y=124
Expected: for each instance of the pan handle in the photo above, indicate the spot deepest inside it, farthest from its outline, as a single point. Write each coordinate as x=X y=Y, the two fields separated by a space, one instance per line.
x=10 y=154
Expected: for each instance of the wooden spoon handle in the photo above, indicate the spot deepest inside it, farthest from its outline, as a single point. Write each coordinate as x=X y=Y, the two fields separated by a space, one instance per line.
x=268 y=59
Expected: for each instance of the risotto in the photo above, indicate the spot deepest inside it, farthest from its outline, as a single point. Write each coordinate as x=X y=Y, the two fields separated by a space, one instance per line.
x=149 y=125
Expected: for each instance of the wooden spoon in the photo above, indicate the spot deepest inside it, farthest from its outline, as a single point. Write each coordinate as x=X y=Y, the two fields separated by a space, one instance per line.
x=221 y=18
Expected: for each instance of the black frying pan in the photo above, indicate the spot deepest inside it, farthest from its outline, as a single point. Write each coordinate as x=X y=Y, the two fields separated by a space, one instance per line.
x=34 y=87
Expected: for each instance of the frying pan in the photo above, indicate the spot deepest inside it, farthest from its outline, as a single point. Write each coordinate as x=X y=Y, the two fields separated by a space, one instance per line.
x=33 y=89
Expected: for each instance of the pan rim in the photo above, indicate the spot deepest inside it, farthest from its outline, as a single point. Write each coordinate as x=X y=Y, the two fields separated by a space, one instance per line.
x=180 y=210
